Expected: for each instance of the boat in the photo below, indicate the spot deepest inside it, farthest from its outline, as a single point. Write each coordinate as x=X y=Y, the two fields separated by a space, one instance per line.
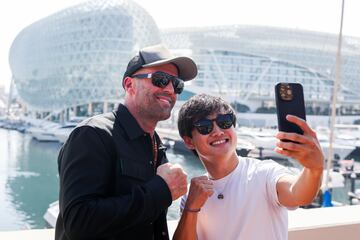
x=346 y=140
x=259 y=137
x=244 y=147
x=47 y=131
x=354 y=197
x=62 y=133
x=340 y=151
x=51 y=214
x=43 y=132
x=53 y=134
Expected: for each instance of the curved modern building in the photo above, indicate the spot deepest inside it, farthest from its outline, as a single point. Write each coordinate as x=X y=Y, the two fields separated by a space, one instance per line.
x=244 y=63
x=78 y=55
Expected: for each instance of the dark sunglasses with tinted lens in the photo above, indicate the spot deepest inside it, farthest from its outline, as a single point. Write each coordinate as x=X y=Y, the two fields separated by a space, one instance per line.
x=224 y=121
x=162 y=79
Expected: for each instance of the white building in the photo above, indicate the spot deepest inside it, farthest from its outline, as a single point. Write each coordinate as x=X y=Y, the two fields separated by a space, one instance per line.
x=244 y=63
x=78 y=55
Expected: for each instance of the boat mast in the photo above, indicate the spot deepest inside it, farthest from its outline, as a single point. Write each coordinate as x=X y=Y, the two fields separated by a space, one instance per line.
x=334 y=100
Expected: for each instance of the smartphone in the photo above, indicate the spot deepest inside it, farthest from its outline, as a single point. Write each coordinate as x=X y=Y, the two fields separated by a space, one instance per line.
x=289 y=100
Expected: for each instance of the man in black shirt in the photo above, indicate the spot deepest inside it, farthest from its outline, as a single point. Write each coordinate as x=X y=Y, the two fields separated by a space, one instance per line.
x=115 y=179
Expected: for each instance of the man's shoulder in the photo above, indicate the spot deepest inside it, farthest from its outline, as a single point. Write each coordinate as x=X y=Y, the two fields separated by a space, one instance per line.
x=253 y=165
x=101 y=125
x=101 y=120
x=250 y=161
x=99 y=128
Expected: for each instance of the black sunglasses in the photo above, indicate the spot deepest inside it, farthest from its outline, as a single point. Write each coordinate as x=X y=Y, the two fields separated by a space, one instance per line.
x=224 y=121
x=162 y=79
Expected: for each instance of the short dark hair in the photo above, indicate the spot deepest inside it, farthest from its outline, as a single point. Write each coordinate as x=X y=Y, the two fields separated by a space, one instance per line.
x=199 y=107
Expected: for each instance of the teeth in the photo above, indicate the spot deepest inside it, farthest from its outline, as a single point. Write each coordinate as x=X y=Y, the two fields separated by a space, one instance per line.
x=165 y=99
x=218 y=142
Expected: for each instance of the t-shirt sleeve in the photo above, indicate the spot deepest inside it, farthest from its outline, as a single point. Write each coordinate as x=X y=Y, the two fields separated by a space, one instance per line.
x=274 y=172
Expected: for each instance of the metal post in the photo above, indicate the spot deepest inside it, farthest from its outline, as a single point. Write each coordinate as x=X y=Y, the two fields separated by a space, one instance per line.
x=333 y=110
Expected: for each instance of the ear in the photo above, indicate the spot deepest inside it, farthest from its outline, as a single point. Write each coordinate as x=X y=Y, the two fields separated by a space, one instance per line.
x=189 y=142
x=129 y=84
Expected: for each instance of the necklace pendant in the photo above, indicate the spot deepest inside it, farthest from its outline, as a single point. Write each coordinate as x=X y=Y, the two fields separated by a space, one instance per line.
x=220 y=196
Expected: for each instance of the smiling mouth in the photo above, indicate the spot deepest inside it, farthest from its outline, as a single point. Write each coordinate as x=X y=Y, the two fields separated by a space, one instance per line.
x=219 y=142
x=165 y=99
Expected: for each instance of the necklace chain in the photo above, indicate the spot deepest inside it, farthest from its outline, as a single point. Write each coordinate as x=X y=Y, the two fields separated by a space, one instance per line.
x=155 y=152
x=220 y=194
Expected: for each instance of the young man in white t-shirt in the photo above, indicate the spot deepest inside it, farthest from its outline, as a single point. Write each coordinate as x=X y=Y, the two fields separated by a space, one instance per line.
x=242 y=198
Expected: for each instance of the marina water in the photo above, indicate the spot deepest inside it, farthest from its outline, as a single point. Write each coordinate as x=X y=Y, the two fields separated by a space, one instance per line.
x=29 y=180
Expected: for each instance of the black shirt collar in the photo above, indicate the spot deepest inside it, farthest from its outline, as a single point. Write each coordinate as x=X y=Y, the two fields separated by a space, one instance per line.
x=128 y=122
x=131 y=126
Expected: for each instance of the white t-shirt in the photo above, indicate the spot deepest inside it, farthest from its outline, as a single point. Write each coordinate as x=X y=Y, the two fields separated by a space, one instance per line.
x=250 y=209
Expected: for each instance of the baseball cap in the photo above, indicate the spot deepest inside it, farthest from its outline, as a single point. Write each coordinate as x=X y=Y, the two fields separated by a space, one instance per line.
x=159 y=55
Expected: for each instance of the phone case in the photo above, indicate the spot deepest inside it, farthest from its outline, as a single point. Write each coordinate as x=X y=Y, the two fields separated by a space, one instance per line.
x=289 y=100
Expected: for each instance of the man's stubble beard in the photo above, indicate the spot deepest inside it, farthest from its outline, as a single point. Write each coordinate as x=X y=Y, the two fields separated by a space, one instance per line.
x=153 y=110
x=156 y=112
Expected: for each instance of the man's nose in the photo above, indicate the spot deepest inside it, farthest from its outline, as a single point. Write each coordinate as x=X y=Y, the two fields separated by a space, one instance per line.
x=217 y=130
x=169 y=88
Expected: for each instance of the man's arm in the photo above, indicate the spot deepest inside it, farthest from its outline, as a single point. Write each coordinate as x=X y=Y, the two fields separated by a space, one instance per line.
x=186 y=228
x=299 y=190
x=302 y=189
x=201 y=188
x=86 y=205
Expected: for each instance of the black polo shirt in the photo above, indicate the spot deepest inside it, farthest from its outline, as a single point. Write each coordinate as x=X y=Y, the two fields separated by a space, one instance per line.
x=108 y=185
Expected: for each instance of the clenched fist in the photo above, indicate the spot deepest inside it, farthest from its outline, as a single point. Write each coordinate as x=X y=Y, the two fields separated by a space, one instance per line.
x=201 y=188
x=175 y=178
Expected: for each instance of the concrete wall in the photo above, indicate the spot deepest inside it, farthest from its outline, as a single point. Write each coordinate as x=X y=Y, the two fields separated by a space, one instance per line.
x=336 y=223
x=341 y=232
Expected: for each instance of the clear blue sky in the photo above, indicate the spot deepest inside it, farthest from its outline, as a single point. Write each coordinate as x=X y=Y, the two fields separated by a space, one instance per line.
x=318 y=15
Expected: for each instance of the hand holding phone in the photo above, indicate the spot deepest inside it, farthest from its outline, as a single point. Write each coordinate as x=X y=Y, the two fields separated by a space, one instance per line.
x=289 y=100
x=306 y=150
